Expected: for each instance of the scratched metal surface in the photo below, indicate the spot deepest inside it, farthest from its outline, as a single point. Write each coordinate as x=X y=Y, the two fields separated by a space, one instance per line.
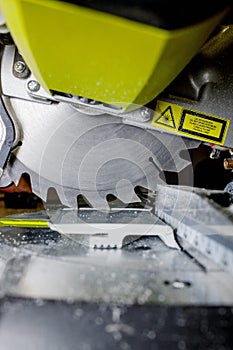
x=43 y=264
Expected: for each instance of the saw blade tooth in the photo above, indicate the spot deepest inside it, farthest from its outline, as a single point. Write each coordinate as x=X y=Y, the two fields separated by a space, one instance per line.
x=191 y=143
x=70 y=202
x=16 y=180
x=183 y=163
x=43 y=192
x=60 y=195
x=151 y=181
x=169 y=155
x=67 y=196
x=125 y=191
x=133 y=199
x=39 y=186
x=144 y=183
x=97 y=200
x=40 y=194
x=127 y=196
x=14 y=175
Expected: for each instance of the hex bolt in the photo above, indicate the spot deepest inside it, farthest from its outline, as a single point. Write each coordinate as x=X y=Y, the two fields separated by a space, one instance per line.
x=33 y=86
x=19 y=67
x=228 y=163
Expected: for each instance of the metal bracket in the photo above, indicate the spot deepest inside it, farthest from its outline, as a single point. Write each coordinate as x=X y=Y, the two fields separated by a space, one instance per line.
x=112 y=229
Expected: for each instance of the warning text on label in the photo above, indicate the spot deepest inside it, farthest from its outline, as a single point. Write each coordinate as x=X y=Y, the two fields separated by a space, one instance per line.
x=190 y=123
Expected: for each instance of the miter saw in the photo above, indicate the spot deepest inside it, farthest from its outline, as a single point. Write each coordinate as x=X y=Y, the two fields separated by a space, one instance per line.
x=101 y=102
x=84 y=108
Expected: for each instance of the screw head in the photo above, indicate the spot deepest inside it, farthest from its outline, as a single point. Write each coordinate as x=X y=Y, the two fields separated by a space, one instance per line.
x=33 y=86
x=19 y=67
x=145 y=114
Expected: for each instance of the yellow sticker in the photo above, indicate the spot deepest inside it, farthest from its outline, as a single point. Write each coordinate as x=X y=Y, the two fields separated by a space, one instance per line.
x=190 y=123
x=7 y=221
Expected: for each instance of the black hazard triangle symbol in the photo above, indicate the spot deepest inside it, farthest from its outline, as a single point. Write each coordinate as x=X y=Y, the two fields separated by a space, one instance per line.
x=167 y=118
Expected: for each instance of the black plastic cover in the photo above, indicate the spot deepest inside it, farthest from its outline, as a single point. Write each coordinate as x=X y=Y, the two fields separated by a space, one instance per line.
x=167 y=14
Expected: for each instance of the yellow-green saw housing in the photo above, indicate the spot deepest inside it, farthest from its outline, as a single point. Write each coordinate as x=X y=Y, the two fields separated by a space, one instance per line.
x=85 y=52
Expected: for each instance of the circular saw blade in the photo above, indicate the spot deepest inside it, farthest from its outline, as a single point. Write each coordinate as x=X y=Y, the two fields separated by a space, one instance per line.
x=94 y=156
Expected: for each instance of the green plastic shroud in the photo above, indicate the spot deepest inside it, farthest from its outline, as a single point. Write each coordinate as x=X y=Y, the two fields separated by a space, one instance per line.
x=100 y=56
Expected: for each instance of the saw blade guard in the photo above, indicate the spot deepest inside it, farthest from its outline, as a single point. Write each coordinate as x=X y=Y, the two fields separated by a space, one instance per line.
x=96 y=53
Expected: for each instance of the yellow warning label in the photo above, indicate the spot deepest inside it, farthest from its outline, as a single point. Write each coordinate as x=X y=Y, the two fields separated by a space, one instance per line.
x=166 y=118
x=190 y=123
